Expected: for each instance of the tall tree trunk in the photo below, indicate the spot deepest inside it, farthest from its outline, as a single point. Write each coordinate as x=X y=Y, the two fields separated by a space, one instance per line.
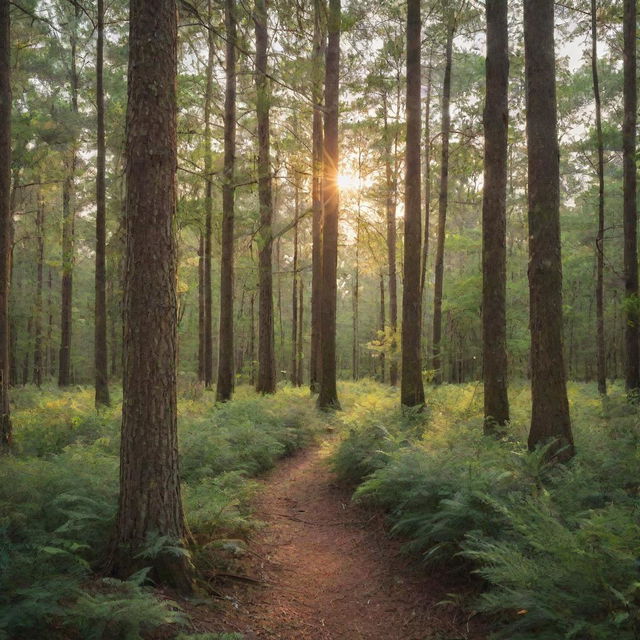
x=225 y=385
x=427 y=180
x=207 y=351
x=49 y=368
x=411 y=387
x=632 y=333
x=382 y=325
x=550 y=419
x=293 y=376
x=150 y=502
x=355 y=300
x=252 y=340
x=25 y=355
x=37 y=345
x=494 y=220
x=436 y=362
x=68 y=227
x=319 y=46
x=601 y=363
x=201 y=314
x=5 y=220
x=300 y=344
x=266 y=350
x=101 y=359
x=328 y=397
x=390 y=204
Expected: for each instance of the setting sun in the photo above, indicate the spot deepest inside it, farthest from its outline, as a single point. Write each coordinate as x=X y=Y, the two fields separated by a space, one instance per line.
x=348 y=182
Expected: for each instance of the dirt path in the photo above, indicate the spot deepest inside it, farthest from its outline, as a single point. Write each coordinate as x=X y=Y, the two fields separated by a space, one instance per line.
x=328 y=572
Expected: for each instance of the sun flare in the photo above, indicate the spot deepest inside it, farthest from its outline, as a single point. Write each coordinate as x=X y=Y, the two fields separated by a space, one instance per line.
x=348 y=182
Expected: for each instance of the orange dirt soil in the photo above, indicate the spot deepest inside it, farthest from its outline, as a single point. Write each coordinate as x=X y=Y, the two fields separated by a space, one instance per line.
x=326 y=570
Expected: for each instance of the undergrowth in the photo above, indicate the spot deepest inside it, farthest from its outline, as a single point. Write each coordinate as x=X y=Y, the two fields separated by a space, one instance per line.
x=557 y=547
x=58 y=499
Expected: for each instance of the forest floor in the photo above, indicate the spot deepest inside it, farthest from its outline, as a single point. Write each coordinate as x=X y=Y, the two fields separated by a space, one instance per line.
x=325 y=569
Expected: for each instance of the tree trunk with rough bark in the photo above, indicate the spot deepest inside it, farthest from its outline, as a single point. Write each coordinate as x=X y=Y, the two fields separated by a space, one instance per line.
x=38 y=360
x=411 y=387
x=328 y=396
x=226 y=371
x=293 y=374
x=150 y=504
x=5 y=221
x=266 y=350
x=100 y=347
x=436 y=362
x=630 y=211
x=550 y=421
x=494 y=220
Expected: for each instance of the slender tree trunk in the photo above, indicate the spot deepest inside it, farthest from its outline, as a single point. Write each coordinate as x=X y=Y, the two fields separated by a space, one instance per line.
x=150 y=502
x=411 y=387
x=101 y=359
x=427 y=181
x=319 y=46
x=550 y=419
x=5 y=221
x=390 y=203
x=49 y=365
x=328 y=397
x=494 y=220
x=225 y=386
x=252 y=340
x=266 y=349
x=293 y=377
x=207 y=354
x=68 y=229
x=37 y=347
x=356 y=293
x=25 y=358
x=436 y=362
x=632 y=332
x=601 y=363
x=201 y=315
x=300 y=370
x=382 y=327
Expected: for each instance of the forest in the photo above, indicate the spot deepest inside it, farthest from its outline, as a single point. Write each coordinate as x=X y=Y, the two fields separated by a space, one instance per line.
x=319 y=319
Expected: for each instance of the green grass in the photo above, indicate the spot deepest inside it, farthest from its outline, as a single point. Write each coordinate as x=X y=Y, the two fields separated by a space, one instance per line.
x=58 y=500
x=558 y=547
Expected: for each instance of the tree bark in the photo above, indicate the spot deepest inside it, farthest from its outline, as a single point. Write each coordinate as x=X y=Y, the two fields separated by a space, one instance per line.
x=630 y=212
x=494 y=220
x=201 y=338
x=355 y=374
x=601 y=363
x=550 y=421
x=300 y=370
x=390 y=203
x=101 y=359
x=328 y=396
x=5 y=221
x=266 y=349
x=319 y=47
x=38 y=367
x=411 y=387
x=427 y=181
x=207 y=351
x=150 y=502
x=436 y=362
x=226 y=374
x=382 y=327
x=293 y=375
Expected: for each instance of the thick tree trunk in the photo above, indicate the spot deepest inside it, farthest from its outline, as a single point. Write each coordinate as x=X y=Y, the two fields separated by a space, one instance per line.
x=390 y=204
x=494 y=220
x=436 y=362
x=150 y=502
x=38 y=368
x=101 y=359
x=411 y=387
x=266 y=349
x=427 y=181
x=207 y=301
x=601 y=363
x=328 y=397
x=632 y=332
x=319 y=46
x=550 y=419
x=5 y=221
x=226 y=374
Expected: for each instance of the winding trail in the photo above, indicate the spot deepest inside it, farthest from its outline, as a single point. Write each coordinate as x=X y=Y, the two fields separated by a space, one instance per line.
x=325 y=569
